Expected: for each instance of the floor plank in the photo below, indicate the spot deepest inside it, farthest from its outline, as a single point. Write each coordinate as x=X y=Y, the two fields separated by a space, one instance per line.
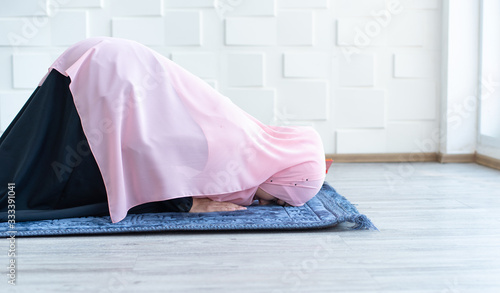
x=439 y=232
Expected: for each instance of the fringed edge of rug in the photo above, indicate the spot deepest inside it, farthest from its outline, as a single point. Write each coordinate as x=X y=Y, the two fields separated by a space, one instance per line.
x=362 y=222
x=350 y=213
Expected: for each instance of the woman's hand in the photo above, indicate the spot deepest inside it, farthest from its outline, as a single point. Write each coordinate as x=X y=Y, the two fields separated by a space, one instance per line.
x=206 y=205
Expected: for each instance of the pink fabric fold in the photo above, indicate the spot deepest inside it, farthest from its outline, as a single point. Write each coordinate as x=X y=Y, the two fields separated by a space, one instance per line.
x=158 y=132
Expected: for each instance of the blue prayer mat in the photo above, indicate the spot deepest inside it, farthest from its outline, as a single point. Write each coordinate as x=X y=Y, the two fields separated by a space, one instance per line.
x=326 y=209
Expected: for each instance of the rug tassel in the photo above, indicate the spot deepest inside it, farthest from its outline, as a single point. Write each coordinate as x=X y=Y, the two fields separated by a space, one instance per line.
x=363 y=223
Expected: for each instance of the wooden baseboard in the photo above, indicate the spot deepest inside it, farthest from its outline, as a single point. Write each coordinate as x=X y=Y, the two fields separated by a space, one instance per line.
x=383 y=158
x=456 y=158
x=416 y=157
x=488 y=161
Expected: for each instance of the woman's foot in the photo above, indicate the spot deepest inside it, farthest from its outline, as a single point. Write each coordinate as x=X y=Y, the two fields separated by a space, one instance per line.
x=205 y=205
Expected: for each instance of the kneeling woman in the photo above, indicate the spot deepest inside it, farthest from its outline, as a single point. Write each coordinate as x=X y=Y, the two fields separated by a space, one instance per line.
x=116 y=128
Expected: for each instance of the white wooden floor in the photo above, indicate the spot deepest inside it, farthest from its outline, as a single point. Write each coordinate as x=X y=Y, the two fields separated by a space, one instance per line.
x=439 y=232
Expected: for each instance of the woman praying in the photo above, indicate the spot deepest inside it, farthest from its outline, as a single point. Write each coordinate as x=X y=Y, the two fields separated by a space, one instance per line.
x=115 y=128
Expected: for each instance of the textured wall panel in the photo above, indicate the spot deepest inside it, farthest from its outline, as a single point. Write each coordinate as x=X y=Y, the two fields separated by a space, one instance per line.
x=359 y=108
x=183 y=28
x=213 y=83
x=29 y=68
x=25 y=31
x=245 y=69
x=357 y=70
x=303 y=100
x=68 y=27
x=6 y=68
x=192 y=3
x=10 y=8
x=361 y=141
x=201 y=64
x=259 y=102
x=360 y=7
x=306 y=64
x=405 y=29
x=415 y=65
x=411 y=100
x=295 y=28
x=431 y=29
x=76 y=3
x=251 y=8
x=353 y=69
x=303 y=4
x=136 y=8
x=404 y=136
x=360 y=32
x=149 y=31
x=426 y=4
x=250 y=31
x=10 y=104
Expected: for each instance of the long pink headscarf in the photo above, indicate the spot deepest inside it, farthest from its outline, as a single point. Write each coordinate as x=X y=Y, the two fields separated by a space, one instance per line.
x=158 y=132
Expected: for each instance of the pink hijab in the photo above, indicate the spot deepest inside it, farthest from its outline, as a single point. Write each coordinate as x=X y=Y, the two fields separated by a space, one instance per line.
x=158 y=132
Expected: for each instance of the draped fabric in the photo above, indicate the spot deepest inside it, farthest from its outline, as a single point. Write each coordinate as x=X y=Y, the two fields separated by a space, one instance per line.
x=157 y=132
x=45 y=153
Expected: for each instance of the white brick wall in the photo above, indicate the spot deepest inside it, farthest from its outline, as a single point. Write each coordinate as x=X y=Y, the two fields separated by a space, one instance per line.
x=357 y=70
x=68 y=27
x=245 y=69
x=182 y=28
x=364 y=73
x=146 y=30
x=202 y=64
x=250 y=31
x=136 y=8
x=295 y=28
x=29 y=68
x=303 y=4
x=412 y=100
x=313 y=64
x=77 y=3
x=304 y=100
x=23 y=8
x=257 y=102
x=254 y=8
x=359 y=108
x=10 y=104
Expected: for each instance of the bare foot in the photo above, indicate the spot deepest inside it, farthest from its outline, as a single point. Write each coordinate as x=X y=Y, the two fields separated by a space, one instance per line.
x=205 y=205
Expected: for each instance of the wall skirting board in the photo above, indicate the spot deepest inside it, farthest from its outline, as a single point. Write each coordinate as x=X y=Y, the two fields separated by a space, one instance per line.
x=383 y=157
x=488 y=161
x=456 y=158
x=416 y=157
